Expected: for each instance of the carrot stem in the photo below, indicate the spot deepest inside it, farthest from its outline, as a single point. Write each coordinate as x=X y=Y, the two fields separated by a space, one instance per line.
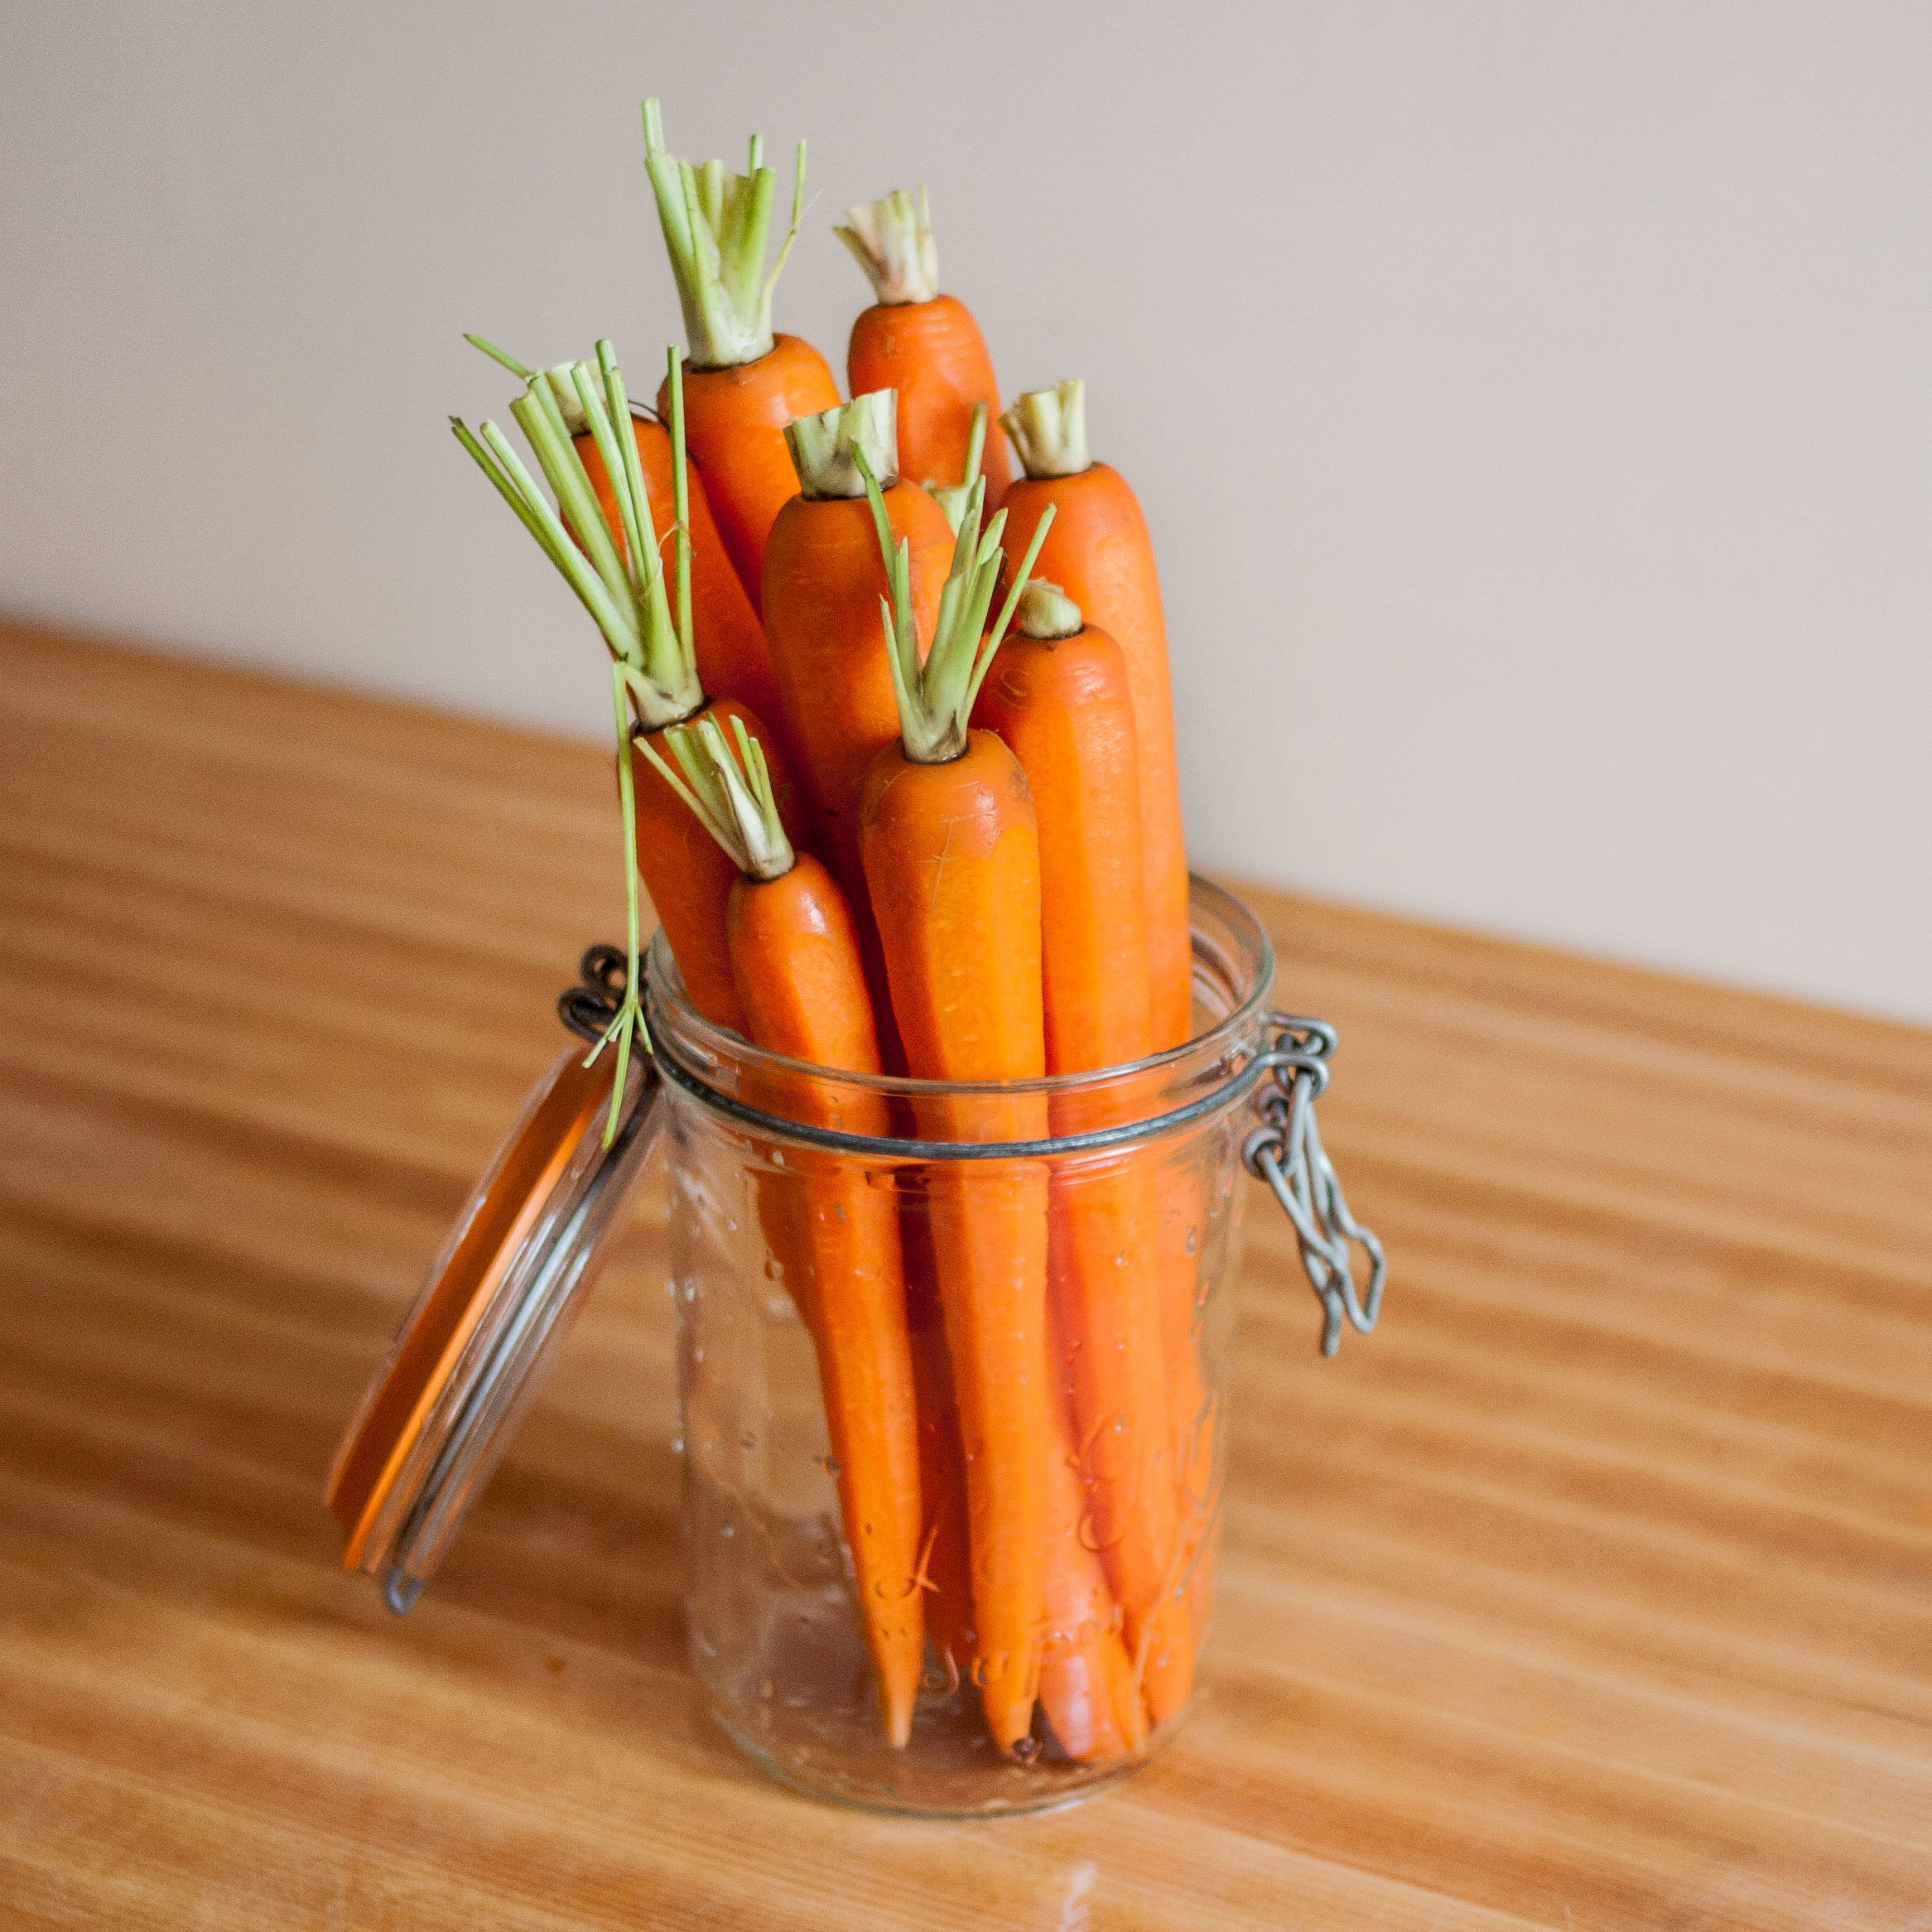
x=892 y=240
x=716 y=227
x=629 y=1019
x=624 y=593
x=954 y=498
x=936 y=696
x=1047 y=428
x=826 y=448
x=680 y=497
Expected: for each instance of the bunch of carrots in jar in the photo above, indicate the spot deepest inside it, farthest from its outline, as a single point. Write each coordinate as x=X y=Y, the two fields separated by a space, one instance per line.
x=897 y=763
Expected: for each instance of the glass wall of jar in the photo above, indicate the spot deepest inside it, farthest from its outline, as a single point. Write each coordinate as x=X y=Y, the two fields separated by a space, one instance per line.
x=953 y=1378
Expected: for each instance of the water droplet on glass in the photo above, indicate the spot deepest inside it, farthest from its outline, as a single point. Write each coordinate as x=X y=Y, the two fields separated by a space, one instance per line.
x=727 y=1528
x=1025 y=1749
x=831 y=1464
x=748 y=1441
x=1194 y=1239
x=677 y=1445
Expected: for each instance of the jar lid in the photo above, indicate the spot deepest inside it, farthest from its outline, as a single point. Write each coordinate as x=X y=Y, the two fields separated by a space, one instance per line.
x=467 y=1358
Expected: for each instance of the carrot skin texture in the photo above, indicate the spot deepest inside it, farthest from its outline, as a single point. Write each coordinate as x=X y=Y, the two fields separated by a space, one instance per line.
x=933 y=353
x=795 y=956
x=688 y=876
x=947 y=1568
x=824 y=578
x=1099 y=552
x=732 y=658
x=735 y=422
x=952 y=856
x=1064 y=707
x=1088 y=1685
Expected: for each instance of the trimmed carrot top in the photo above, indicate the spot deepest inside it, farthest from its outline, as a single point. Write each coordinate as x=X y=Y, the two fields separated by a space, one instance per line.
x=892 y=240
x=716 y=226
x=731 y=797
x=936 y=698
x=827 y=449
x=1046 y=612
x=1048 y=429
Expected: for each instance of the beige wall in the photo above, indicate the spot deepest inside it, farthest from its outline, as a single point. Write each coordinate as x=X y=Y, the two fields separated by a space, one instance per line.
x=1531 y=400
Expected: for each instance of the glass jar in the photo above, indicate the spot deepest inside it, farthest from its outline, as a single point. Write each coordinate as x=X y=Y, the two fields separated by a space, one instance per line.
x=1100 y=1216
x=953 y=1374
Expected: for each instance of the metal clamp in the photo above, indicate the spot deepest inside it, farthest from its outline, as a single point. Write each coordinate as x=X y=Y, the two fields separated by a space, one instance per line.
x=588 y=1009
x=1286 y=1152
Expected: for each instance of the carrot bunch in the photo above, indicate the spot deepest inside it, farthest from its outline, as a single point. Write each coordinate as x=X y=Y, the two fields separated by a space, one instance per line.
x=897 y=765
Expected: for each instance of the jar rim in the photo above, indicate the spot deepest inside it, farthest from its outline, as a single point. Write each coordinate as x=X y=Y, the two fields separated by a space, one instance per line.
x=683 y=1041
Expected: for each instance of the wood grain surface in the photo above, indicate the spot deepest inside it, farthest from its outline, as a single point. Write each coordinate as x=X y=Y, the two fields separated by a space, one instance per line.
x=1595 y=1591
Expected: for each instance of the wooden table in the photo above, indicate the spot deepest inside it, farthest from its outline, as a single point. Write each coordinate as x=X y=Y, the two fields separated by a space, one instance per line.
x=1595 y=1591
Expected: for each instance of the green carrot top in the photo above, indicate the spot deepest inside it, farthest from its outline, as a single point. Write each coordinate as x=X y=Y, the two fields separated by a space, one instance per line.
x=892 y=240
x=953 y=497
x=654 y=671
x=620 y=584
x=936 y=698
x=732 y=796
x=716 y=227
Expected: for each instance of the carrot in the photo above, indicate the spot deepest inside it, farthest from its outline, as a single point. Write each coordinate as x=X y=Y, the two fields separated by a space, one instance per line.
x=1180 y=1242
x=954 y=497
x=1087 y=1680
x=922 y=344
x=824 y=578
x=654 y=671
x=732 y=659
x=950 y=849
x=1059 y=696
x=795 y=956
x=946 y=1572
x=1100 y=554
x=746 y=383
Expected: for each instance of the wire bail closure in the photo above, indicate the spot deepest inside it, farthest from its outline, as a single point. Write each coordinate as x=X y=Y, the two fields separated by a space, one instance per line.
x=588 y=1008
x=1286 y=1152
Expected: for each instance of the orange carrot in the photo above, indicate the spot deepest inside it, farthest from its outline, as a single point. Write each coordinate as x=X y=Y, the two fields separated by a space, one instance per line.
x=1087 y=1682
x=950 y=849
x=824 y=579
x=1059 y=696
x=746 y=383
x=924 y=345
x=689 y=879
x=619 y=577
x=738 y=418
x=945 y=1571
x=795 y=955
x=1180 y=1243
x=1101 y=555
